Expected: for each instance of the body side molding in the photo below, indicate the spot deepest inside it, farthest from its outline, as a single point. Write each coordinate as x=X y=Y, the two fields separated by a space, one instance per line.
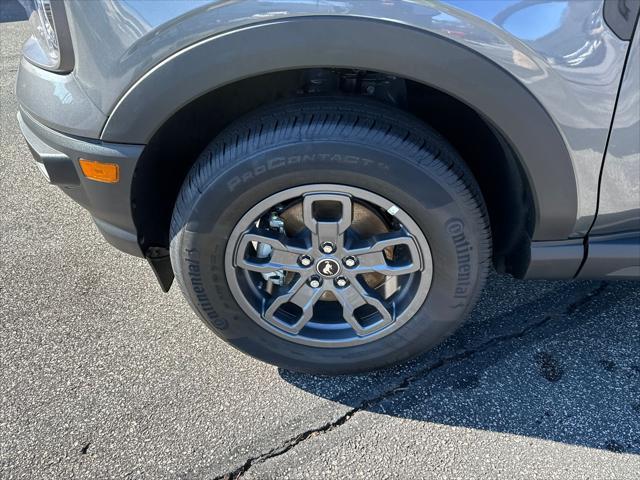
x=615 y=257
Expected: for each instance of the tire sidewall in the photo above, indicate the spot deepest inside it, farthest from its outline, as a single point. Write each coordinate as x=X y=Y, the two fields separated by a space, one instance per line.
x=435 y=199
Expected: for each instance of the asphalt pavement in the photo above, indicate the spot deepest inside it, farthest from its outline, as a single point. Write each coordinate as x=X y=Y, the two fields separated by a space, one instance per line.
x=103 y=376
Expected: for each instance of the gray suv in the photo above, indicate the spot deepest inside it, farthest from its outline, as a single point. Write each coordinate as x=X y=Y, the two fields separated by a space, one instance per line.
x=330 y=181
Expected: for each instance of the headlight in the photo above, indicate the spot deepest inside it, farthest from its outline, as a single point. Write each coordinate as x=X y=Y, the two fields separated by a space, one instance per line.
x=50 y=43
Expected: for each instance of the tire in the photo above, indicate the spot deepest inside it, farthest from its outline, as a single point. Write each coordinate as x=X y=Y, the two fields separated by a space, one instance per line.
x=354 y=145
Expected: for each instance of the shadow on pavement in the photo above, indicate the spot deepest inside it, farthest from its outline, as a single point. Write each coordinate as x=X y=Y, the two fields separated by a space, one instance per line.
x=564 y=367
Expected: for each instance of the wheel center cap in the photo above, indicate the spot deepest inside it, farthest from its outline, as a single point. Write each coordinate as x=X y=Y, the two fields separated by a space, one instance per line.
x=328 y=268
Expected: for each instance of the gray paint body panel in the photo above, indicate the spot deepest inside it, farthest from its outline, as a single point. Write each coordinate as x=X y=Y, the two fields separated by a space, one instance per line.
x=389 y=48
x=561 y=51
x=58 y=101
x=619 y=209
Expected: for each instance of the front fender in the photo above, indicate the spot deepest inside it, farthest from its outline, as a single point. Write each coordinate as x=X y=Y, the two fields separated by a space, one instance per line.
x=383 y=46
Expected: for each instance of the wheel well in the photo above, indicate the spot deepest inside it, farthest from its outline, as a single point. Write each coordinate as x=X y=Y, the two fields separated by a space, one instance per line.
x=176 y=145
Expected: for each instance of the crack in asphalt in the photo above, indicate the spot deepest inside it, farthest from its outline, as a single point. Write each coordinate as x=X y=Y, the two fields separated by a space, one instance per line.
x=406 y=383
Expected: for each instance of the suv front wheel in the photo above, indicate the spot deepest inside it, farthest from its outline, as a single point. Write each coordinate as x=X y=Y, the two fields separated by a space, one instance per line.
x=330 y=236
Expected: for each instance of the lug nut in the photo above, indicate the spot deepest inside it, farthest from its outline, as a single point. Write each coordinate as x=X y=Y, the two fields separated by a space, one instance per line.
x=350 y=262
x=305 y=260
x=342 y=282
x=314 y=282
x=328 y=247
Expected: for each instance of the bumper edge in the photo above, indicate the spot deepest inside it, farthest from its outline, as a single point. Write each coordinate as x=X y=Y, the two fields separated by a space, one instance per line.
x=57 y=155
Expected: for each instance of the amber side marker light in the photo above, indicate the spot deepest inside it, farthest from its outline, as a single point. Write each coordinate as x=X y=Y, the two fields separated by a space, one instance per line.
x=99 y=171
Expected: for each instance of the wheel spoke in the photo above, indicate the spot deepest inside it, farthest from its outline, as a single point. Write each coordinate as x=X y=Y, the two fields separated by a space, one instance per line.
x=299 y=294
x=371 y=258
x=327 y=229
x=283 y=253
x=355 y=296
x=323 y=265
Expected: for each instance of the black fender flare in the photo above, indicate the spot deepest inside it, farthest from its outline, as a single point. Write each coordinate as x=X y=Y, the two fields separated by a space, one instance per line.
x=352 y=42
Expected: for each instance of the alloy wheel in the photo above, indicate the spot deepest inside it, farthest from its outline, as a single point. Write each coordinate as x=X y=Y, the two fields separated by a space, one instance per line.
x=328 y=265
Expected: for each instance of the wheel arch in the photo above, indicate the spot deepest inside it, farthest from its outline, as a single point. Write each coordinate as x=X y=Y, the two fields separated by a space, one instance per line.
x=383 y=46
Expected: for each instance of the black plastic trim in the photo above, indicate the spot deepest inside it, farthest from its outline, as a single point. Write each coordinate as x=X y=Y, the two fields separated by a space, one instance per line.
x=614 y=257
x=122 y=239
x=160 y=261
x=110 y=204
x=368 y=44
x=58 y=166
x=555 y=260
